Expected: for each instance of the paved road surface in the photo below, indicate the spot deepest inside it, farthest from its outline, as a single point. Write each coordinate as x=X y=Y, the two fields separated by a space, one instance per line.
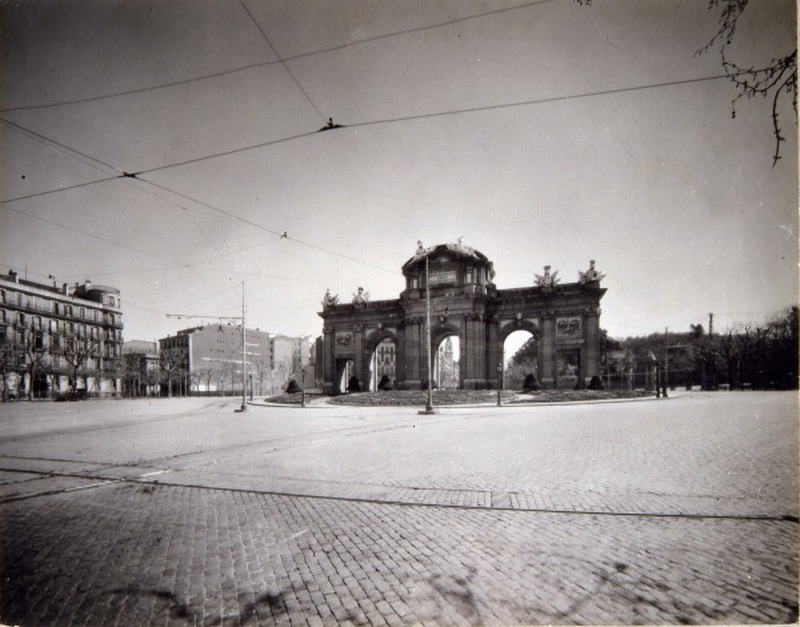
x=184 y=512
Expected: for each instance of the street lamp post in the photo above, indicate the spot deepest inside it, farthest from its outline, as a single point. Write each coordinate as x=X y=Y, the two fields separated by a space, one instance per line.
x=244 y=357
x=499 y=381
x=656 y=372
x=303 y=389
x=429 y=403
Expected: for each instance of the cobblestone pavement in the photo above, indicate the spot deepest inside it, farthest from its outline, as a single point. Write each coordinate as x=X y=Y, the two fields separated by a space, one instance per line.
x=184 y=512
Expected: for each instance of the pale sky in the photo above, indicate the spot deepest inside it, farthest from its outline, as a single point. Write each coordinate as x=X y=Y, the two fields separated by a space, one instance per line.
x=543 y=133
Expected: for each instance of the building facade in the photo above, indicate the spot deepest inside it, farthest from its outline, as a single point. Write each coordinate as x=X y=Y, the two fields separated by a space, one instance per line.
x=142 y=374
x=452 y=286
x=58 y=341
x=208 y=360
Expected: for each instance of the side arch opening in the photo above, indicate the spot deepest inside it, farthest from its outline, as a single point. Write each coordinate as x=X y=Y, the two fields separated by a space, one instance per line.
x=521 y=361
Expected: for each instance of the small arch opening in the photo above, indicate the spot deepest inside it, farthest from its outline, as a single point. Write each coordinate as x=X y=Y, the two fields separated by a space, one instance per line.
x=383 y=366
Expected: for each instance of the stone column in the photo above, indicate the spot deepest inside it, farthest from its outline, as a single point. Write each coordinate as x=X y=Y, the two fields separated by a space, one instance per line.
x=415 y=355
x=328 y=360
x=400 y=357
x=494 y=352
x=591 y=330
x=475 y=376
x=360 y=360
x=547 y=349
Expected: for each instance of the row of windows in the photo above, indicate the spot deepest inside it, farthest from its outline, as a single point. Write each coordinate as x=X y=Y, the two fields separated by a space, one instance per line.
x=54 y=307
x=56 y=326
x=17 y=333
x=55 y=342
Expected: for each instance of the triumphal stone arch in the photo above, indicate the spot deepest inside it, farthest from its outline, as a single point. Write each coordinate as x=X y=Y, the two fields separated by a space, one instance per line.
x=464 y=302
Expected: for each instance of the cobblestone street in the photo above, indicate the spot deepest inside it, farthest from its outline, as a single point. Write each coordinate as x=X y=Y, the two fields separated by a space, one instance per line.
x=184 y=512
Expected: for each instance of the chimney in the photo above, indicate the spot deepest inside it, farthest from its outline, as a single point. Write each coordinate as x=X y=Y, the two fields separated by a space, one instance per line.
x=13 y=275
x=65 y=289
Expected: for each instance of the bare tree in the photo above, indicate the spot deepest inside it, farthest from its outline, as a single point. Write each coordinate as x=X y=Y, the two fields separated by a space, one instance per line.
x=33 y=353
x=173 y=363
x=261 y=371
x=279 y=376
x=9 y=359
x=78 y=351
x=206 y=375
x=776 y=79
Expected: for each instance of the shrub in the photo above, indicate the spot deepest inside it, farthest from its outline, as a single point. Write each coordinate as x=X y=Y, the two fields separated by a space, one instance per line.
x=596 y=383
x=531 y=383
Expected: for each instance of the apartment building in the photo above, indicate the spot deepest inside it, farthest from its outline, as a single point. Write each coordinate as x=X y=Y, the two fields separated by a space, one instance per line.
x=142 y=369
x=208 y=360
x=57 y=341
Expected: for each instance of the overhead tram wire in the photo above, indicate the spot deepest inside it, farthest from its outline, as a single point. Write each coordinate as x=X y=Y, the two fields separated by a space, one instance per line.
x=72 y=153
x=92 y=162
x=67 y=151
x=227 y=153
x=437 y=114
x=85 y=233
x=283 y=61
x=83 y=158
x=395 y=120
x=283 y=235
x=537 y=101
x=138 y=176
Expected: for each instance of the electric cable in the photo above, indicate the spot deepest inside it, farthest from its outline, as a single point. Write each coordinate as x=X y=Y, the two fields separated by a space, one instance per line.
x=92 y=235
x=225 y=153
x=285 y=60
x=449 y=112
x=282 y=62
